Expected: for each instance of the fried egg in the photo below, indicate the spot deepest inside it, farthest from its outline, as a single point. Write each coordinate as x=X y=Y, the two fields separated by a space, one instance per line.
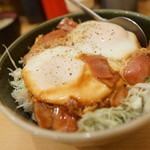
x=55 y=75
x=110 y=40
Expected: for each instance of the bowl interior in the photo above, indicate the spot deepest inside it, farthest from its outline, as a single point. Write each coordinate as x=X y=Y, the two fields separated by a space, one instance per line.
x=21 y=46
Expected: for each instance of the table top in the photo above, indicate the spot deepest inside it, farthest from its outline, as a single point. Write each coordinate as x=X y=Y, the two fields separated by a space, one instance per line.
x=13 y=137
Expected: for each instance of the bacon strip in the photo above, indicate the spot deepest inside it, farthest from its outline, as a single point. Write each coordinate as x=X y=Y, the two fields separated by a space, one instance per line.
x=53 y=35
x=98 y=65
x=137 y=69
x=112 y=81
x=54 y=117
x=43 y=114
x=118 y=95
x=67 y=24
x=101 y=69
x=53 y=38
x=115 y=98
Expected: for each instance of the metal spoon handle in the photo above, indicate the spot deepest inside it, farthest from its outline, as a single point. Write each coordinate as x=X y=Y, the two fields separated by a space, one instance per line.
x=87 y=10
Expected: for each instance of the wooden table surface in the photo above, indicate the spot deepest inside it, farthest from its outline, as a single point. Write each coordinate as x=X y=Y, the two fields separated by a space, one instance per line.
x=13 y=137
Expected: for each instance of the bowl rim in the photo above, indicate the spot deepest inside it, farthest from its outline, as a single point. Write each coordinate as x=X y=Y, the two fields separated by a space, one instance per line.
x=76 y=137
x=73 y=138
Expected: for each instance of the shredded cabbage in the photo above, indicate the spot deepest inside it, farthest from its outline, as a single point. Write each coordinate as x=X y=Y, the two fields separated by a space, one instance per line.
x=136 y=103
x=20 y=92
x=133 y=106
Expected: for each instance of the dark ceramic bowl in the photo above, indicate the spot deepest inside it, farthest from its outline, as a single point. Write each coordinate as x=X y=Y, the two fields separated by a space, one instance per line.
x=18 y=116
x=10 y=31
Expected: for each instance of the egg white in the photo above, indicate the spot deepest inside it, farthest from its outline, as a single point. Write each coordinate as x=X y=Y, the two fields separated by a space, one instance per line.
x=57 y=74
x=107 y=39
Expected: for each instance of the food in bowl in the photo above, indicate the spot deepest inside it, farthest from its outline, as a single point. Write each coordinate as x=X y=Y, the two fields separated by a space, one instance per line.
x=84 y=77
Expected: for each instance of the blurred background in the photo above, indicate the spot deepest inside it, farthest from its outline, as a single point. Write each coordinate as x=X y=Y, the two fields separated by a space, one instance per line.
x=19 y=16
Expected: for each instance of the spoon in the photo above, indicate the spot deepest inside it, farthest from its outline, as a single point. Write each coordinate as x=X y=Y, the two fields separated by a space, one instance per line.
x=124 y=22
